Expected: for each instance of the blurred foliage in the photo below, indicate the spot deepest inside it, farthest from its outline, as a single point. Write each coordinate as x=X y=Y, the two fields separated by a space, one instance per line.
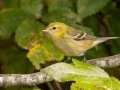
x=9 y=21
x=23 y=44
x=86 y=7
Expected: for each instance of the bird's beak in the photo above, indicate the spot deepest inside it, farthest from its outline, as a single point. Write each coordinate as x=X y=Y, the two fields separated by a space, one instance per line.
x=46 y=31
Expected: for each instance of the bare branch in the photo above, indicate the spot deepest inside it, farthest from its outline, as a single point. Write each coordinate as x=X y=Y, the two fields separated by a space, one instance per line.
x=24 y=79
x=106 y=62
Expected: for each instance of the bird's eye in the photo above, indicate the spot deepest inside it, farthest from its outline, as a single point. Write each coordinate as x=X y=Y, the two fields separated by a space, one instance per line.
x=54 y=28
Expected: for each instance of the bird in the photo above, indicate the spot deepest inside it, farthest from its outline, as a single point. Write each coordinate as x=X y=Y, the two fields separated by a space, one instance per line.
x=71 y=41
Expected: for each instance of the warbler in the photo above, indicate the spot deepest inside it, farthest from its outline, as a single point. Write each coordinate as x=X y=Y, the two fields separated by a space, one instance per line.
x=70 y=41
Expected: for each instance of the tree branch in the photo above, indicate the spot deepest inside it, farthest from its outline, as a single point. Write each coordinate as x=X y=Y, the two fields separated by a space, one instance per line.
x=42 y=77
x=24 y=79
x=106 y=62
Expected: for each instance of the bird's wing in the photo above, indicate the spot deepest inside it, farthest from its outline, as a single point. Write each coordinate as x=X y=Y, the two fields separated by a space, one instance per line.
x=79 y=35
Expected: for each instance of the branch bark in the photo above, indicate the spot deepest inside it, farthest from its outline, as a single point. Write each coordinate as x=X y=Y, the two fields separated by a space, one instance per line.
x=24 y=79
x=42 y=77
x=106 y=62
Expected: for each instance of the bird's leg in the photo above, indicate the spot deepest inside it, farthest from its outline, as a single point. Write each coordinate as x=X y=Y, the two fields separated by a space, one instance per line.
x=80 y=58
x=84 y=58
x=67 y=59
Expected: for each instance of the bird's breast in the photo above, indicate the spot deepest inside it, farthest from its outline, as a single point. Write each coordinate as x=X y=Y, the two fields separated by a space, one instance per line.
x=70 y=47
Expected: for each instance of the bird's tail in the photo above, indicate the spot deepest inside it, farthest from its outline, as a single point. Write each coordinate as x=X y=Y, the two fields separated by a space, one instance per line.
x=103 y=39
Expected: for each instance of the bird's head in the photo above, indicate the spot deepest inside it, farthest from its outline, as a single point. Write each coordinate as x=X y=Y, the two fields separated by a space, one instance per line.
x=56 y=29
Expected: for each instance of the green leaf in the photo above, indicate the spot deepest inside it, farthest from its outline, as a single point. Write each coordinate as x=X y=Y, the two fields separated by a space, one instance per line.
x=44 y=52
x=41 y=50
x=88 y=83
x=67 y=16
x=62 y=5
x=86 y=8
x=66 y=72
x=61 y=11
x=39 y=55
x=93 y=83
x=27 y=33
x=34 y=7
x=27 y=36
x=9 y=21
